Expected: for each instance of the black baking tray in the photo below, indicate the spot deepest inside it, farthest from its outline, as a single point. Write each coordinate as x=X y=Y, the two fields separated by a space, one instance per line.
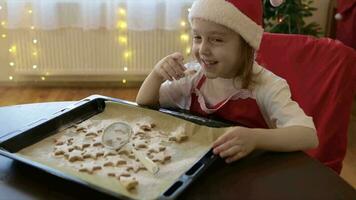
x=13 y=142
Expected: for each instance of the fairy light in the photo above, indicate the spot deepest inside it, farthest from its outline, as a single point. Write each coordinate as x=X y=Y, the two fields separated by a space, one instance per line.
x=34 y=66
x=3 y=23
x=0 y=7
x=3 y=35
x=122 y=11
x=12 y=64
x=11 y=78
x=34 y=41
x=32 y=28
x=43 y=78
x=189 y=9
x=183 y=23
x=122 y=39
x=127 y=54
x=188 y=50
x=12 y=49
x=184 y=37
x=34 y=53
x=122 y=25
x=47 y=73
x=30 y=11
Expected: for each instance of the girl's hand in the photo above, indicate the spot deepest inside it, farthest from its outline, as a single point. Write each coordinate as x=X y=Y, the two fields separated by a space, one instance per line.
x=171 y=67
x=235 y=144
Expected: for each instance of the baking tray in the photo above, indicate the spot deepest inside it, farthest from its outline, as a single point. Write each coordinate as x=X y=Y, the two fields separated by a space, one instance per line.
x=13 y=142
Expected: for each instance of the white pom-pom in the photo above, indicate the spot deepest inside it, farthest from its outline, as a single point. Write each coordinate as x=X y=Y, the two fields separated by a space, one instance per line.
x=338 y=16
x=276 y=3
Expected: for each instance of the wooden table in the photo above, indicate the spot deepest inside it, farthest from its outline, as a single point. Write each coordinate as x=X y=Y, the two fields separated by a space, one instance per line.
x=262 y=175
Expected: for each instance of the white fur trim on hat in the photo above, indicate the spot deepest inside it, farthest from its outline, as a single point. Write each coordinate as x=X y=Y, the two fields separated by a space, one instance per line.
x=225 y=13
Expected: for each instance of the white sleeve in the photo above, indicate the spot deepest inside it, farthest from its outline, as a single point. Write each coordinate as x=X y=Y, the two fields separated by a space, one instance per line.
x=177 y=94
x=279 y=108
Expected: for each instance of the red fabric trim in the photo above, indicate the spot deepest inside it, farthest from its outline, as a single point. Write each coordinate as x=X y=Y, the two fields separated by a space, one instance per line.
x=201 y=81
x=199 y=85
x=240 y=111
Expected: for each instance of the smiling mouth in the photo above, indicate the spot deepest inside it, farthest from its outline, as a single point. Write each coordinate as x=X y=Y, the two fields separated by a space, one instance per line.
x=208 y=63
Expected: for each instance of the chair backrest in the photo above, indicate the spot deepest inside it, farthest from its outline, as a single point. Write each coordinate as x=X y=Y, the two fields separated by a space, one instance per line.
x=321 y=74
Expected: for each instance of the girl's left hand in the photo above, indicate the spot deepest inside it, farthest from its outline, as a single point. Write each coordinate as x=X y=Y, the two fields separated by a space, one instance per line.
x=235 y=144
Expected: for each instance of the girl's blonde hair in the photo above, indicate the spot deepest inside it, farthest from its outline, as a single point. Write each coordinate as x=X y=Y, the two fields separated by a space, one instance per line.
x=245 y=72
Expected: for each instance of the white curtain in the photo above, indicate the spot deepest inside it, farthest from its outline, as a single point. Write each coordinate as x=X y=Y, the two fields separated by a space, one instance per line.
x=94 y=14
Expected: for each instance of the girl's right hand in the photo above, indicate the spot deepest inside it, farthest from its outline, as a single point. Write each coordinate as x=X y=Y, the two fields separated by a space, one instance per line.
x=171 y=67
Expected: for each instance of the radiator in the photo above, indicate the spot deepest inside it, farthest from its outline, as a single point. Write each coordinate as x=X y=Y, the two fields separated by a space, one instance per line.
x=77 y=52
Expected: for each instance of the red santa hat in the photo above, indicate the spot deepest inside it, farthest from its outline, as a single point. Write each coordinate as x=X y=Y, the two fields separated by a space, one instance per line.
x=242 y=16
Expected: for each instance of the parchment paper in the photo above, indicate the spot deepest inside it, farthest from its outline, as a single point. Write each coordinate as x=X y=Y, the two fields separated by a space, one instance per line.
x=184 y=155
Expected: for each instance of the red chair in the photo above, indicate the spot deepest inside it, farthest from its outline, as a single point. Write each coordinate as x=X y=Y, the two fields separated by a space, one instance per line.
x=322 y=77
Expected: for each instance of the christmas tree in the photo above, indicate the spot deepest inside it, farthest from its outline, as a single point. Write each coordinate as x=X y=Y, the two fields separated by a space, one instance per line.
x=288 y=17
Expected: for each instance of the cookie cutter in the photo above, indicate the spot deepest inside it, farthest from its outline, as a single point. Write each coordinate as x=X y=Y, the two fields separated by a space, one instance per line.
x=117 y=135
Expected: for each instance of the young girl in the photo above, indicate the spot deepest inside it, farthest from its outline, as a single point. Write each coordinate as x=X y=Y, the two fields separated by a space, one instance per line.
x=227 y=83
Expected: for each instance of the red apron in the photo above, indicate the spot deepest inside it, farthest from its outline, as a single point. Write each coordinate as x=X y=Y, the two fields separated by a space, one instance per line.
x=243 y=111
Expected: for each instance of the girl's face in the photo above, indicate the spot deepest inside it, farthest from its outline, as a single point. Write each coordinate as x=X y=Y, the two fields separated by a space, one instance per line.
x=216 y=48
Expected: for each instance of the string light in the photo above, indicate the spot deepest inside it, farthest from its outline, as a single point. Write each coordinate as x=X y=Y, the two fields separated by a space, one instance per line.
x=184 y=37
x=12 y=49
x=122 y=11
x=122 y=40
x=187 y=50
x=127 y=54
x=122 y=25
